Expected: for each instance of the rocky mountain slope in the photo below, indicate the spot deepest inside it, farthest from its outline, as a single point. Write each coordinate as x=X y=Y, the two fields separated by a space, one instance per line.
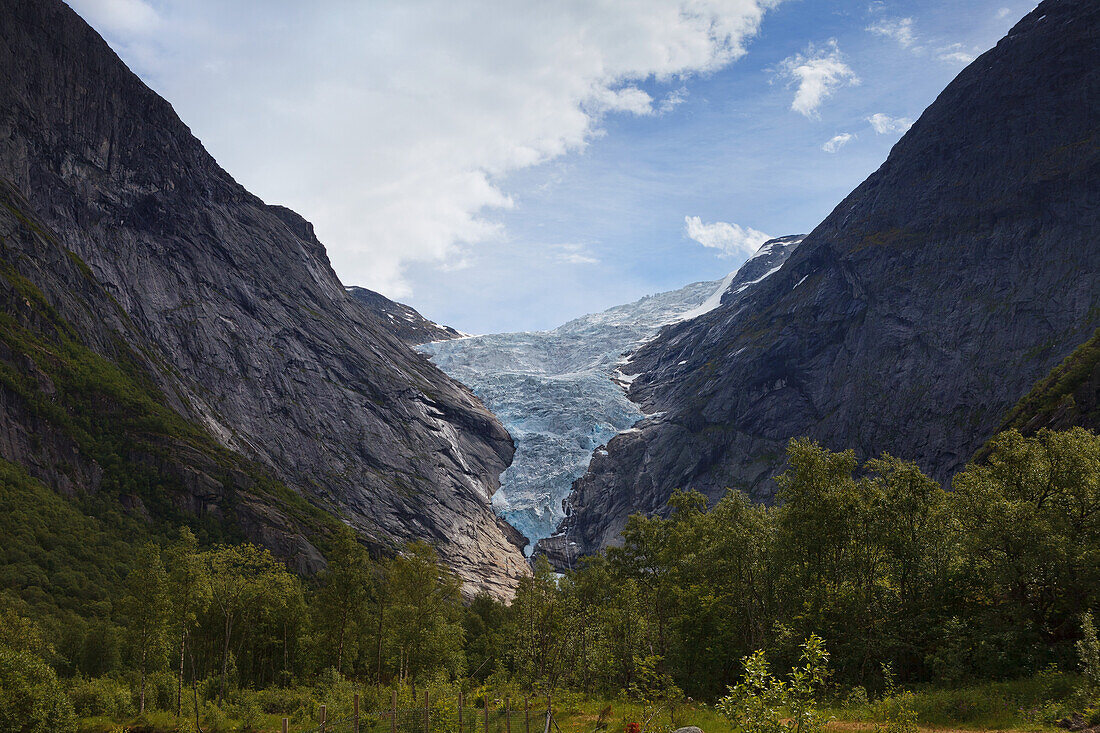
x=403 y=321
x=227 y=310
x=912 y=319
x=560 y=392
x=1067 y=397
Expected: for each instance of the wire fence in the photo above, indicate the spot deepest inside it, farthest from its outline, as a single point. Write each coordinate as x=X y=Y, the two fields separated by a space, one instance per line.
x=527 y=715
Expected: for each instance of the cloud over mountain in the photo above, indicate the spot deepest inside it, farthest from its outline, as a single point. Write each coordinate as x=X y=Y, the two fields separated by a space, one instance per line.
x=816 y=74
x=393 y=125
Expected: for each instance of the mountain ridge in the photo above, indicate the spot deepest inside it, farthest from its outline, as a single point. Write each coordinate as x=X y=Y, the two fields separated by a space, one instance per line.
x=971 y=252
x=236 y=311
x=403 y=320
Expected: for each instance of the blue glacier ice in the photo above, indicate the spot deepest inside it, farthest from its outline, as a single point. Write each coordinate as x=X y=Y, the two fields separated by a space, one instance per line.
x=555 y=392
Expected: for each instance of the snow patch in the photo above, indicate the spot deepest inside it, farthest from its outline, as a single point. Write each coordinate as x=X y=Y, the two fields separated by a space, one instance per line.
x=763 y=277
x=711 y=302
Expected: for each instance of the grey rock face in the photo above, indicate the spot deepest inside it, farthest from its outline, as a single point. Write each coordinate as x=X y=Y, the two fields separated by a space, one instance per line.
x=261 y=344
x=560 y=392
x=403 y=321
x=913 y=317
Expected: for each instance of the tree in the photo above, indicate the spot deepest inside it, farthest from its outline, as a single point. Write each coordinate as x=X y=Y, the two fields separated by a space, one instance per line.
x=427 y=611
x=188 y=594
x=343 y=595
x=31 y=698
x=240 y=577
x=539 y=634
x=1088 y=651
x=1030 y=517
x=145 y=610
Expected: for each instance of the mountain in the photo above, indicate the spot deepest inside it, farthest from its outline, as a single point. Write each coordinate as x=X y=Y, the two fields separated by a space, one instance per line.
x=150 y=300
x=560 y=392
x=912 y=318
x=1069 y=396
x=403 y=321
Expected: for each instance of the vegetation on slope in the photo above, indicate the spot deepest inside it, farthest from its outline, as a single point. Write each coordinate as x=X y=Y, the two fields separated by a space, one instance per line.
x=953 y=596
x=1069 y=395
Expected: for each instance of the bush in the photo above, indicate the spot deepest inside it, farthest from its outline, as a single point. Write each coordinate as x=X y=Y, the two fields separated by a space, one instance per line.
x=247 y=711
x=290 y=702
x=101 y=696
x=762 y=703
x=31 y=699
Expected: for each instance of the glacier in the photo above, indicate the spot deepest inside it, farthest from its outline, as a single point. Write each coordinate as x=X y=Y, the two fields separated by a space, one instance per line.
x=561 y=394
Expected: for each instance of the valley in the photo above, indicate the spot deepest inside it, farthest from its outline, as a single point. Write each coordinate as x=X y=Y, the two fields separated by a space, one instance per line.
x=852 y=483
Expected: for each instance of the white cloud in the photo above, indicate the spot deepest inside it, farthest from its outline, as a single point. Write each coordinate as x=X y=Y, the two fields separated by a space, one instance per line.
x=899 y=29
x=955 y=53
x=836 y=142
x=884 y=124
x=122 y=17
x=818 y=73
x=1003 y=13
x=673 y=99
x=730 y=239
x=574 y=254
x=393 y=126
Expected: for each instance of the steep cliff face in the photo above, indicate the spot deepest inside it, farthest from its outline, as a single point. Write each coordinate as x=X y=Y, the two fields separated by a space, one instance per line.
x=81 y=410
x=403 y=321
x=913 y=317
x=234 y=311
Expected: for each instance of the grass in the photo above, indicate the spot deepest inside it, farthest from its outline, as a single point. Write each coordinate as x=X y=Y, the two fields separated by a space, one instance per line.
x=1030 y=704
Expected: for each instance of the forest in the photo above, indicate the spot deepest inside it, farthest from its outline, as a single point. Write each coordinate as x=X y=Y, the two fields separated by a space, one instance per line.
x=906 y=584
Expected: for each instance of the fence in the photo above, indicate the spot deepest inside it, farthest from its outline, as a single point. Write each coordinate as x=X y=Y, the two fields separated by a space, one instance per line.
x=531 y=715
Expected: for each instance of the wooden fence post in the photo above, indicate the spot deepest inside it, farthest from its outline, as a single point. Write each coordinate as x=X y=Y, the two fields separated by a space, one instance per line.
x=286 y=725
x=355 y=719
x=486 y=708
x=526 y=715
x=324 y=717
x=461 y=702
x=507 y=714
x=393 y=712
x=427 y=712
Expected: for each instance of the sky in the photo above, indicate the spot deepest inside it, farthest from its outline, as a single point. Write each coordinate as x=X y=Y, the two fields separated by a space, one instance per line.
x=509 y=165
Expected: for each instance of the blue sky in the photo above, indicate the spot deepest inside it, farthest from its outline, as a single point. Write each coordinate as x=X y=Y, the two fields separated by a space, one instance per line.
x=516 y=177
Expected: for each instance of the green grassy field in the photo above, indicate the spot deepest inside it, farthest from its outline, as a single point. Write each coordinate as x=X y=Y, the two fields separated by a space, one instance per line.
x=1031 y=704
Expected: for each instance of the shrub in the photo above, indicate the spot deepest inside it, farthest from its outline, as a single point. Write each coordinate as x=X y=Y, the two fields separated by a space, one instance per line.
x=1088 y=650
x=31 y=699
x=763 y=703
x=101 y=696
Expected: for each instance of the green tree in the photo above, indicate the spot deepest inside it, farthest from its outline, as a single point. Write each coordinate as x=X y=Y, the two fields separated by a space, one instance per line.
x=31 y=698
x=426 y=617
x=188 y=597
x=1030 y=518
x=343 y=596
x=241 y=577
x=1088 y=652
x=145 y=611
x=538 y=630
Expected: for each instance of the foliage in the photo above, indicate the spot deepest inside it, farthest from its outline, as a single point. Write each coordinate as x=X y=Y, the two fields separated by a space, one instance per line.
x=31 y=698
x=1088 y=649
x=763 y=703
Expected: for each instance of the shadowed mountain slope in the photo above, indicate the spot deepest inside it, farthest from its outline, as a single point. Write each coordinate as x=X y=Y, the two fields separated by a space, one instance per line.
x=230 y=308
x=910 y=321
